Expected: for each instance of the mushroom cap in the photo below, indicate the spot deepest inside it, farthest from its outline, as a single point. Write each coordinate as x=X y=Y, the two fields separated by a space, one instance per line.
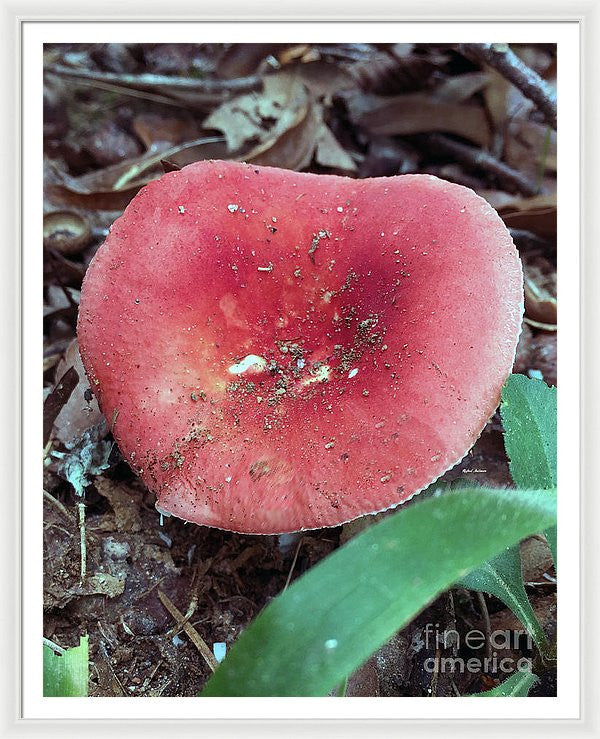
x=283 y=351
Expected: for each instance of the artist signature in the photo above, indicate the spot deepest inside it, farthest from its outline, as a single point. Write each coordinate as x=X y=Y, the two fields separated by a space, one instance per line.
x=474 y=469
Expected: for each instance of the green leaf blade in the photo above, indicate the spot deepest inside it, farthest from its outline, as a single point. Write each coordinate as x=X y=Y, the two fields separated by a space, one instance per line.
x=333 y=618
x=528 y=411
x=517 y=685
x=66 y=675
x=502 y=576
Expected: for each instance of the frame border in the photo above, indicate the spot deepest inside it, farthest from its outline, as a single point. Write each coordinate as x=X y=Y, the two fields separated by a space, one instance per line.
x=587 y=15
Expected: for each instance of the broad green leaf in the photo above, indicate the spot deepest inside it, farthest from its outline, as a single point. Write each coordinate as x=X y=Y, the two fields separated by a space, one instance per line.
x=66 y=675
x=327 y=623
x=517 y=685
x=528 y=411
x=502 y=576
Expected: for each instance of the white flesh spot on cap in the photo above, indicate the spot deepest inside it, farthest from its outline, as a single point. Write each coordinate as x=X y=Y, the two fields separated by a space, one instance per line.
x=252 y=361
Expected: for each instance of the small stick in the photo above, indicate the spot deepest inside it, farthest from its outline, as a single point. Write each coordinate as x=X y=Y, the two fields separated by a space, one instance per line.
x=454 y=688
x=194 y=636
x=151 y=81
x=83 y=548
x=503 y=59
x=479 y=159
x=53 y=646
x=488 y=626
x=58 y=505
x=289 y=577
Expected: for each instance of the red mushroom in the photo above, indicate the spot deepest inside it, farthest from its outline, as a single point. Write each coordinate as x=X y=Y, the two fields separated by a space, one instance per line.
x=282 y=351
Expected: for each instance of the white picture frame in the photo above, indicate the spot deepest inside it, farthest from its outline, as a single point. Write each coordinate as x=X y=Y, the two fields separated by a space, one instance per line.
x=24 y=712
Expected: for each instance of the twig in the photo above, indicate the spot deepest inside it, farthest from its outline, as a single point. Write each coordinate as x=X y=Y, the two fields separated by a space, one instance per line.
x=129 y=92
x=58 y=505
x=289 y=577
x=152 y=81
x=454 y=688
x=479 y=159
x=503 y=59
x=194 y=636
x=83 y=547
x=486 y=621
x=53 y=646
x=150 y=677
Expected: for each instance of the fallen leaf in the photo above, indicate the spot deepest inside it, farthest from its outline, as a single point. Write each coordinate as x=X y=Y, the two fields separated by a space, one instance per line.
x=324 y=79
x=124 y=501
x=540 y=291
x=60 y=302
x=113 y=187
x=158 y=132
x=78 y=413
x=530 y=147
x=536 y=559
x=461 y=87
x=57 y=399
x=536 y=214
x=294 y=147
x=240 y=60
x=261 y=116
x=399 y=70
x=331 y=154
x=418 y=113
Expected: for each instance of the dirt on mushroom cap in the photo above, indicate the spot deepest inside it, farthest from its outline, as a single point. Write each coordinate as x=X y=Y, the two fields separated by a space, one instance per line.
x=291 y=351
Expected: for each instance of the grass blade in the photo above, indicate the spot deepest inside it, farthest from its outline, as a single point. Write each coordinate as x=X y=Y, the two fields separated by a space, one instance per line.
x=502 y=577
x=66 y=675
x=516 y=686
x=333 y=618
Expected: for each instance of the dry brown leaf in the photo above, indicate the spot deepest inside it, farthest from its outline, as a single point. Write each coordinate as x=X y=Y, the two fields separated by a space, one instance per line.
x=539 y=305
x=530 y=147
x=78 y=413
x=331 y=154
x=113 y=187
x=292 y=149
x=124 y=501
x=540 y=291
x=324 y=79
x=101 y=200
x=389 y=72
x=261 y=116
x=240 y=60
x=536 y=559
x=537 y=214
x=56 y=398
x=461 y=87
x=418 y=113
x=283 y=125
x=158 y=132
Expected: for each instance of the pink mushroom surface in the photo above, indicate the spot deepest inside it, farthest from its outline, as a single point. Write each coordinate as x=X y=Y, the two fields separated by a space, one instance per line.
x=283 y=351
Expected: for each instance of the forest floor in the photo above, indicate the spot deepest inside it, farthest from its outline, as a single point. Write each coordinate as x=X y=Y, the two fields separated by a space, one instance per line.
x=115 y=117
